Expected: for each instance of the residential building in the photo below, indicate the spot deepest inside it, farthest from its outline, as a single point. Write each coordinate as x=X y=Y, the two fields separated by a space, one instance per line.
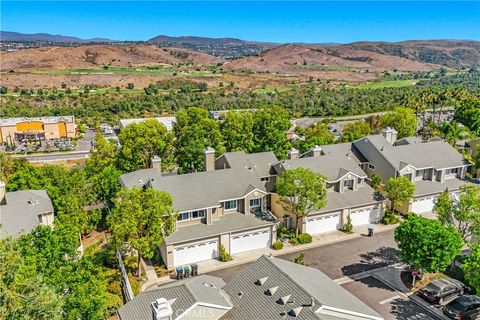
x=166 y=121
x=227 y=206
x=269 y=288
x=13 y=130
x=348 y=194
x=22 y=211
x=432 y=166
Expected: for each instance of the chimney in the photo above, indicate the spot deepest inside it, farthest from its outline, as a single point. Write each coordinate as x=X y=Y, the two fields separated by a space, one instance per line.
x=293 y=154
x=161 y=310
x=3 y=200
x=157 y=163
x=390 y=135
x=315 y=151
x=209 y=156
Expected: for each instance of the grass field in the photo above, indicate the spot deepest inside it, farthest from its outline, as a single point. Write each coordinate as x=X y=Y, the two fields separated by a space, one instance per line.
x=318 y=67
x=386 y=84
x=161 y=70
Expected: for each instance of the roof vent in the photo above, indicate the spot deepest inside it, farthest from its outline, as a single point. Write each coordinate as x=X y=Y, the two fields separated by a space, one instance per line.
x=295 y=312
x=271 y=291
x=240 y=294
x=140 y=181
x=312 y=302
x=32 y=202
x=261 y=281
x=161 y=310
x=284 y=300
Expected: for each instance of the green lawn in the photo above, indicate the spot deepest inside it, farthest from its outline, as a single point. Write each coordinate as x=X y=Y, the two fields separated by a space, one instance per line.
x=386 y=84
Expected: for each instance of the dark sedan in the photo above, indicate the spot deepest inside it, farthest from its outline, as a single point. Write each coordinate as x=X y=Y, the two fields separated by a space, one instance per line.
x=464 y=308
x=438 y=290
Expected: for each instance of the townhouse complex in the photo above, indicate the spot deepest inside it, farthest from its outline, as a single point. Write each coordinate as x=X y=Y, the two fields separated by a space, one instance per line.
x=269 y=288
x=233 y=202
x=13 y=130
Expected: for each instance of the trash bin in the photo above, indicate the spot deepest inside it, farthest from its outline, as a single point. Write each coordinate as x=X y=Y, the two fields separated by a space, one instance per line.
x=194 y=269
x=370 y=232
x=186 y=271
x=179 y=272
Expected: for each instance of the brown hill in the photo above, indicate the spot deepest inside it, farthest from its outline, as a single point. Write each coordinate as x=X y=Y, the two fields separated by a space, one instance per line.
x=93 y=56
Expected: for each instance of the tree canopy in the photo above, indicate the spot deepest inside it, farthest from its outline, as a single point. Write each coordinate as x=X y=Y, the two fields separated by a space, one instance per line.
x=399 y=191
x=143 y=218
x=403 y=120
x=301 y=191
x=355 y=130
x=195 y=131
x=471 y=267
x=316 y=135
x=427 y=244
x=237 y=131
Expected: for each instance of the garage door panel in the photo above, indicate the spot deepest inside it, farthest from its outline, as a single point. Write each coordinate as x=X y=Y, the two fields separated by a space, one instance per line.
x=365 y=216
x=423 y=205
x=323 y=223
x=250 y=241
x=195 y=252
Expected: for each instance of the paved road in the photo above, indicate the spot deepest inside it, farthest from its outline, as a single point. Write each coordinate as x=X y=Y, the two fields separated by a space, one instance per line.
x=343 y=258
x=47 y=157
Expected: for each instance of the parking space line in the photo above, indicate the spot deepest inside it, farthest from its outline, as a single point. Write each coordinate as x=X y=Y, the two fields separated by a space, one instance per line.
x=390 y=299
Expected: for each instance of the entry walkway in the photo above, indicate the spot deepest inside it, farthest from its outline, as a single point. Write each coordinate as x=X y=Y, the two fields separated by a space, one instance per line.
x=250 y=256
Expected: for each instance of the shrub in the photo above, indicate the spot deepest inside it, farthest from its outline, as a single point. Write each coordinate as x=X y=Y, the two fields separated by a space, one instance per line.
x=376 y=181
x=300 y=259
x=409 y=215
x=348 y=227
x=390 y=218
x=284 y=232
x=277 y=245
x=224 y=255
x=304 y=238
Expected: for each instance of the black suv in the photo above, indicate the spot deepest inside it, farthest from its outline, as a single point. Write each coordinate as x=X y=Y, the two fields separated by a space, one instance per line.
x=437 y=290
x=464 y=307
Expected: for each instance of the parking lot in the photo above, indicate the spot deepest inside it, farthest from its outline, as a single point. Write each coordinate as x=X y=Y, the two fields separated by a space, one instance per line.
x=388 y=302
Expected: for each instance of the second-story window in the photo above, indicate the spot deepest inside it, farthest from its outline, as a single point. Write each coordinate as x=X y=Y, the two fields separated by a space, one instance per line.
x=183 y=216
x=255 y=203
x=230 y=205
x=198 y=214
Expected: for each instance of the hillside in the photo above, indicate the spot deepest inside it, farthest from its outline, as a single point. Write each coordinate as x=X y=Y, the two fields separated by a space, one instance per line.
x=17 y=36
x=94 y=56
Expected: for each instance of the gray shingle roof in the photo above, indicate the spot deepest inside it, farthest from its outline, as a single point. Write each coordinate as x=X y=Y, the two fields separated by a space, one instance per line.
x=437 y=154
x=426 y=187
x=182 y=295
x=20 y=213
x=302 y=284
x=200 y=189
x=333 y=167
x=261 y=163
x=231 y=222
x=351 y=199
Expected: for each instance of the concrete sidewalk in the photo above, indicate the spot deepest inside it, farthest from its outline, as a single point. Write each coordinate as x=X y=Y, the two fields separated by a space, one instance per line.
x=250 y=256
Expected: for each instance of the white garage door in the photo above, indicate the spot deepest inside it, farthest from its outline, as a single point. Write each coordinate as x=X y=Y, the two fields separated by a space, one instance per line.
x=250 y=241
x=321 y=224
x=364 y=216
x=423 y=205
x=195 y=253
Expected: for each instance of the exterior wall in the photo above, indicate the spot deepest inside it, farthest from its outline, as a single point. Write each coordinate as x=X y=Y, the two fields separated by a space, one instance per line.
x=8 y=134
x=253 y=195
x=166 y=251
x=341 y=184
x=409 y=170
x=225 y=241
x=70 y=126
x=29 y=126
x=190 y=222
x=52 y=131
x=382 y=168
x=47 y=219
x=221 y=163
x=270 y=185
x=276 y=206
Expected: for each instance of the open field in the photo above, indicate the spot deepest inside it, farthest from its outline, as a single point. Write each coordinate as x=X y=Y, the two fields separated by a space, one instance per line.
x=386 y=84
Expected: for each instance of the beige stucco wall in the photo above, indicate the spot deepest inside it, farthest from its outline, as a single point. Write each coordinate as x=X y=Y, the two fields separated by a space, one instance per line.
x=225 y=241
x=8 y=132
x=253 y=195
x=276 y=206
x=51 y=131
x=70 y=129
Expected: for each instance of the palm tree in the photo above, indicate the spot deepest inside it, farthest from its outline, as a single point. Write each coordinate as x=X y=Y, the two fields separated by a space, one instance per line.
x=452 y=132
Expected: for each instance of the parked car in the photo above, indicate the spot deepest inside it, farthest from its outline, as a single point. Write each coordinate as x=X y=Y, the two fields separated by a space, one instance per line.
x=437 y=290
x=465 y=307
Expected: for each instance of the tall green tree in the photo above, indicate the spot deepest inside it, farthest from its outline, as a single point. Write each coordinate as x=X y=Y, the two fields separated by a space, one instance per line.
x=399 y=191
x=471 y=267
x=106 y=184
x=316 y=135
x=195 y=131
x=403 y=120
x=140 y=142
x=452 y=132
x=103 y=155
x=143 y=218
x=468 y=113
x=301 y=192
x=355 y=130
x=269 y=131
x=427 y=244
x=463 y=213
x=237 y=131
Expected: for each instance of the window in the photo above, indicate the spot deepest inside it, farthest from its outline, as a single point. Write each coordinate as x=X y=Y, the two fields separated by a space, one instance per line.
x=230 y=205
x=348 y=184
x=265 y=179
x=419 y=173
x=198 y=214
x=371 y=166
x=183 y=216
x=454 y=171
x=255 y=203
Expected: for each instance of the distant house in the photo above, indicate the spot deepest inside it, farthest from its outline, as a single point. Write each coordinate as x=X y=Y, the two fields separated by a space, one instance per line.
x=166 y=121
x=22 y=211
x=269 y=288
x=432 y=166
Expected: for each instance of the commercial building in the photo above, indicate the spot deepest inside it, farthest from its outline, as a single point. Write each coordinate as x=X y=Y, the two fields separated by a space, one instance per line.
x=13 y=130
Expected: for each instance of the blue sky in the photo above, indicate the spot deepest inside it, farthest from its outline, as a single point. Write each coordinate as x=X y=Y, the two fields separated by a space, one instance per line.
x=313 y=22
